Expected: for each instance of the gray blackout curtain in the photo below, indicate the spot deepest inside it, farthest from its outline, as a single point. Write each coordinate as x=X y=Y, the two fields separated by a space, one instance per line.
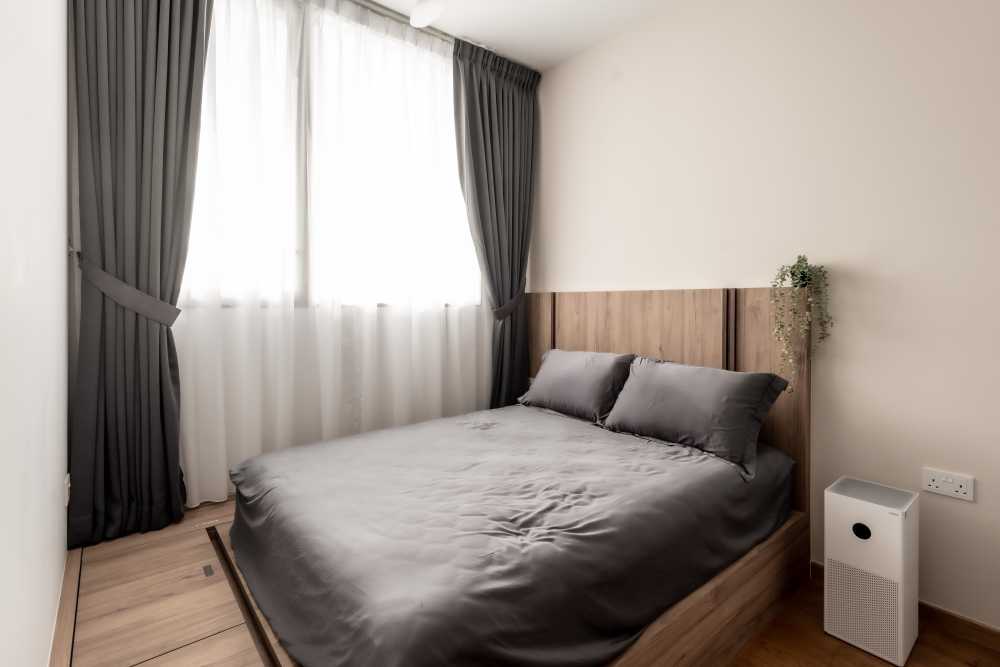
x=495 y=119
x=137 y=70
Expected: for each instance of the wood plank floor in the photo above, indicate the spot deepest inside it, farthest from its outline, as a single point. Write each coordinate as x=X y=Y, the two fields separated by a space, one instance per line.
x=795 y=638
x=161 y=598
x=164 y=599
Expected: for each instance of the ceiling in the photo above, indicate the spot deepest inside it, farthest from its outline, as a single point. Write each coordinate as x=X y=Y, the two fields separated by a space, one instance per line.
x=538 y=33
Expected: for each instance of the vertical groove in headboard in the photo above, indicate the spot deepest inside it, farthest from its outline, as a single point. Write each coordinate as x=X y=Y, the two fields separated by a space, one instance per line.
x=552 y=321
x=731 y=296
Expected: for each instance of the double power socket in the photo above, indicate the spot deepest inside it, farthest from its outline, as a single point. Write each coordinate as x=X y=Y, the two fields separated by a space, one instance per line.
x=952 y=484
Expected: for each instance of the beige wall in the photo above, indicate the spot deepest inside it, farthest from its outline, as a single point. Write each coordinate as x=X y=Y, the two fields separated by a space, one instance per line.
x=708 y=146
x=32 y=325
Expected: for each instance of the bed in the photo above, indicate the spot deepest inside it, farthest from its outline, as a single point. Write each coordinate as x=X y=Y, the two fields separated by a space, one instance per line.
x=526 y=537
x=516 y=536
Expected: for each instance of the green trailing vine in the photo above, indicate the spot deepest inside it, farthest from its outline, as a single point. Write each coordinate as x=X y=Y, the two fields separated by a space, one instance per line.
x=803 y=311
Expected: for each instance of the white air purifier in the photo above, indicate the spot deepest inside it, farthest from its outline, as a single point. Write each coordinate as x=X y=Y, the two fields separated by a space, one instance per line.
x=872 y=543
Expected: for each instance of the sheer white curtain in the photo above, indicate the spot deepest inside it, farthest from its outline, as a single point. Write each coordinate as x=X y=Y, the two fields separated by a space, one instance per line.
x=331 y=284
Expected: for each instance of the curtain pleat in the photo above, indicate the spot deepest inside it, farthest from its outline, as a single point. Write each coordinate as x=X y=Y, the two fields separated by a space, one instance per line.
x=495 y=109
x=138 y=74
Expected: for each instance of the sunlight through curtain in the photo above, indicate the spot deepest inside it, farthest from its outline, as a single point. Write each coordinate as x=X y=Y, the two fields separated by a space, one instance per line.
x=332 y=286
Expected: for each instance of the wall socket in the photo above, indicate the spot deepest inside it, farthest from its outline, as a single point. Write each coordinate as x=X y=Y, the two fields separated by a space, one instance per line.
x=951 y=484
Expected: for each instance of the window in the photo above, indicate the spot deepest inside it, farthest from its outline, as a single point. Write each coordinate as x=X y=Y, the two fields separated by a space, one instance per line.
x=327 y=167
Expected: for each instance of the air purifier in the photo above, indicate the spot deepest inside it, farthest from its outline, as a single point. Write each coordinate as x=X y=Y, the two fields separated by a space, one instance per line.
x=870 y=588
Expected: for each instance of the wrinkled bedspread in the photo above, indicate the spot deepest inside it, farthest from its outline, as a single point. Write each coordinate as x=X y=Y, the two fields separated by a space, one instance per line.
x=505 y=537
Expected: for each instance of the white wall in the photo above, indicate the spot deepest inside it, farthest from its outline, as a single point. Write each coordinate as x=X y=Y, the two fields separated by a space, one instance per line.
x=32 y=325
x=709 y=146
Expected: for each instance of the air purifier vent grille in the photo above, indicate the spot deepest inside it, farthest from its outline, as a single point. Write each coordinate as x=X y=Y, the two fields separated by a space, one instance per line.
x=862 y=608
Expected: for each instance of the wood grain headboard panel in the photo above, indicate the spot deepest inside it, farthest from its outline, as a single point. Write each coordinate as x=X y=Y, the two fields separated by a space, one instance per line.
x=686 y=326
x=721 y=328
x=787 y=425
x=541 y=326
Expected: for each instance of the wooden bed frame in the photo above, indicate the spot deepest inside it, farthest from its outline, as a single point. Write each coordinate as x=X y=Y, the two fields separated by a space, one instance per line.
x=722 y=328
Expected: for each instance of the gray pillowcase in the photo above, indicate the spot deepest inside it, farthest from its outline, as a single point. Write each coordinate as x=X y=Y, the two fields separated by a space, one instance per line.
x=718 y=411
x=581 y=384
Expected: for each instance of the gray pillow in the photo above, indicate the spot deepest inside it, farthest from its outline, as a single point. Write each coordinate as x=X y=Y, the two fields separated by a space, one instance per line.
x=718 y=411
x=581 y=384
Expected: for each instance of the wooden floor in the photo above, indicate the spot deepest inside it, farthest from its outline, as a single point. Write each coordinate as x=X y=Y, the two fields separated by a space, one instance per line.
x=162 y=598
x=165 y=598
x=796 y=638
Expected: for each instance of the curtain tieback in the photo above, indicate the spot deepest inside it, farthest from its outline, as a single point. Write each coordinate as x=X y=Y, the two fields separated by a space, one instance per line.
x=506 y=310
x=125 y=295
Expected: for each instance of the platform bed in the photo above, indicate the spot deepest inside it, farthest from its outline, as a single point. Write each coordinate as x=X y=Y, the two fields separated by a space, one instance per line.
x=708 y=627
x=256 y=621
x=721 y=328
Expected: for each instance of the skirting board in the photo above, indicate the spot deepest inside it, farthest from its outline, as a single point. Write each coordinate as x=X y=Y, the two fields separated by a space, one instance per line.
x=61 y=652
x=957 y=624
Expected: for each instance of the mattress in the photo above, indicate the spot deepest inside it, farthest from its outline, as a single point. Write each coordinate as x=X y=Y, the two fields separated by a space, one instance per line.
x=515 y=536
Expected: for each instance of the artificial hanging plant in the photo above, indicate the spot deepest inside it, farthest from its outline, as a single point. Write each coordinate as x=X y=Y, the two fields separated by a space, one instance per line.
x=801 y=311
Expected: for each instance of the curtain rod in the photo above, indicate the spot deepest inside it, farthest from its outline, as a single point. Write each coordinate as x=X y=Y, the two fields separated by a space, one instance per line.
x=392 y=14
x=382 y=10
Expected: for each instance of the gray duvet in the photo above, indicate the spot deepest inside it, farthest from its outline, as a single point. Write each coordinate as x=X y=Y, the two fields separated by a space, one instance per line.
x=506 y=537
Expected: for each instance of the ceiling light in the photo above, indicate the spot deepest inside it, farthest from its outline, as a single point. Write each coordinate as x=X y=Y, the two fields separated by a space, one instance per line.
x=426 y=12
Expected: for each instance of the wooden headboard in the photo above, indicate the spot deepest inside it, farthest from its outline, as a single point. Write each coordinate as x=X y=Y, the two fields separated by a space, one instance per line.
x=721 y=328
